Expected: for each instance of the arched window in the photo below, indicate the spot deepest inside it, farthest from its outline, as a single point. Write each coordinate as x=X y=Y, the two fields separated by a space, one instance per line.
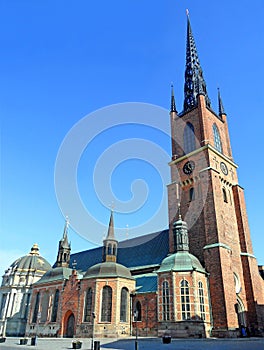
x=188 y=138
x=201 y=300
x=191 y=194
x=36 y=309
x=237 y=283
x=123 y=305
x=224 y=195
x=185 y=300
x=165 y=301
x=27 y=301
x=44 y=306
x=217 y=139
x=106 y=307
x=88 y=305
x=3 y=304
x=138 y=311
x=55 y=306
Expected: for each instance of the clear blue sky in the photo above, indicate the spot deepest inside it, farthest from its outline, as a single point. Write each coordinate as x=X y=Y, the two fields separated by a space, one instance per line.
x=61 y=60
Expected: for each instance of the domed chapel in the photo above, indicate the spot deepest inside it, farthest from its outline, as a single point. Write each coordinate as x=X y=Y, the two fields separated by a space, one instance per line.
x=199 y=281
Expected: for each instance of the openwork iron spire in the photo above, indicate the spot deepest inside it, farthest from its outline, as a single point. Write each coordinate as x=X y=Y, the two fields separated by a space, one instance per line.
x=221 y=109
x=194 y=81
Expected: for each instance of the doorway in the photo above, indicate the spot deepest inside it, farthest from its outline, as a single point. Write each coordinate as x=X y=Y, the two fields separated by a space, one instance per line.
x=70 y=326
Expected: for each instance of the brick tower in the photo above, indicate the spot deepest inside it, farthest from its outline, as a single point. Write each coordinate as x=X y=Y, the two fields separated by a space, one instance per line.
x=204 y=179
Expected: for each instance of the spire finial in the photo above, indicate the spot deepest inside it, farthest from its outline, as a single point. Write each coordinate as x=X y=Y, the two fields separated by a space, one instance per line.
x=221 y=109
x=173 y=104
x=193 y=73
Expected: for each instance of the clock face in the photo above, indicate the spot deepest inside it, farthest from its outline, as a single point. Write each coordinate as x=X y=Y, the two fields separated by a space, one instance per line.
x=188 y=167
x=223 y=168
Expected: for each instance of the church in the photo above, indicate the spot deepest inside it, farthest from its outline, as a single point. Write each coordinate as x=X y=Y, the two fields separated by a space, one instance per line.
x=199 y=278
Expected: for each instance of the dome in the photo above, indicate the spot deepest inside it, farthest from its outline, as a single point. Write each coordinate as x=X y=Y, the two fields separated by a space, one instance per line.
x=30 y=262
x=108 y=269
x=181 y=261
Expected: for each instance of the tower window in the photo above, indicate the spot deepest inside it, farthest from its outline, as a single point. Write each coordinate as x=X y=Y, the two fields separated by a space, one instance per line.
x=217 y=139
x=123 y=306
x=165 y=301
x=224 y=195
x=106 y=309
x=55 y=306
x=185 y=300
x=201 y=300
x=110 y=249
x=188 y=138
x=191 y=194
x=88 y=305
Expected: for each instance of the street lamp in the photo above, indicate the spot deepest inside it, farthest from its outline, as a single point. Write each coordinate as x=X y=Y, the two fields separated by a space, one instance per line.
x=93 y=318
x=136 y=318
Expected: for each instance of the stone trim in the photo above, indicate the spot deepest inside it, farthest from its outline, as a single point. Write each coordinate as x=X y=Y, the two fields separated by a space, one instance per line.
x=217 y=245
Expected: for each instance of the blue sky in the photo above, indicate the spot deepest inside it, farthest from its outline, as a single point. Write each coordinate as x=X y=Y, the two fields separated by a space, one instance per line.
x=63 y=60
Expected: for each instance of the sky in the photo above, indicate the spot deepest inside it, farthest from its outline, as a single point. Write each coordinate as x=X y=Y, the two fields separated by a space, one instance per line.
x=69 y=72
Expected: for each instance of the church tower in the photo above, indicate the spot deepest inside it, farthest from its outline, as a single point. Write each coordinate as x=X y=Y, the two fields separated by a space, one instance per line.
x=204 y=179
x=63 y=257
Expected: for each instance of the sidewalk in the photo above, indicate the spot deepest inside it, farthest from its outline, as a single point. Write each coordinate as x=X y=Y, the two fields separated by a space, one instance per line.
x=143 y=344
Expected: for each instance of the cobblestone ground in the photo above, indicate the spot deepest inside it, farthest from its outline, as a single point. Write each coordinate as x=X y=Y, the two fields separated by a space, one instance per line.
x=143 y=343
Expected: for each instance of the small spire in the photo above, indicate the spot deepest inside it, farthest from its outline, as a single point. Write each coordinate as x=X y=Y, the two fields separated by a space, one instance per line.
x=173 y=104
x=221 y=110
x=64 y=250
x=111 y=231
x=194 y=80
x=110 y=242
x=66 y=227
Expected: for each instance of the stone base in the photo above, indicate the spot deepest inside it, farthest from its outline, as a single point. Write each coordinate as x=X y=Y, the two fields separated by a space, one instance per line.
x=225 y=333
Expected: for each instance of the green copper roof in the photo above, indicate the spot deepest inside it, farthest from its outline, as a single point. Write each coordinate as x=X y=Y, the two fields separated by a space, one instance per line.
x=181 y=261
x=108 y=269
x=55 y=274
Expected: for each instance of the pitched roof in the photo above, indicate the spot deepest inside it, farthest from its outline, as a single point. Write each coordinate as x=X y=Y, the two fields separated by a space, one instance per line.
x=144 y=250
x=146 y=283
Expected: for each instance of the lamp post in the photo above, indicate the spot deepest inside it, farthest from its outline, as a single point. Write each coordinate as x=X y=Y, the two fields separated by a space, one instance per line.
x=93 y=318
x=136 y=318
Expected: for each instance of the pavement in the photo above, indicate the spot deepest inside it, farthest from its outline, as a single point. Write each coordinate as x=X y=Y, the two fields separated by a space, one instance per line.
x=143 y=344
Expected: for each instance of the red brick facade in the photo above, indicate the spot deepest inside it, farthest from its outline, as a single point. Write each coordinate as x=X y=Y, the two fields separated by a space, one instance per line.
x=218 y=229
